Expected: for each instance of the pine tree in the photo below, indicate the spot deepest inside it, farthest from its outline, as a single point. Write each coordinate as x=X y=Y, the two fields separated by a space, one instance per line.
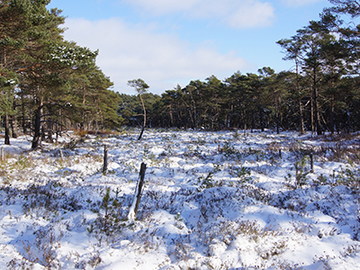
x=141 y=88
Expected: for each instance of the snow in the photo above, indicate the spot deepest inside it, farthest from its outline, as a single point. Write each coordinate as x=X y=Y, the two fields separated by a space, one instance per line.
x=212 y=200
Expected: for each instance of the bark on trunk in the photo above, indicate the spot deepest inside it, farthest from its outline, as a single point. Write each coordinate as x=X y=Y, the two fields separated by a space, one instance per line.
x=261 y=119
x=316 y=111
x=23 y=111
x=302 y=129
x=312 y=115
x=332 y=112
x=14 y=126
x=37 y=127
x=7 y=130
x=144 y=122
x=14 y=123
x=316 y=107
x=171 y=116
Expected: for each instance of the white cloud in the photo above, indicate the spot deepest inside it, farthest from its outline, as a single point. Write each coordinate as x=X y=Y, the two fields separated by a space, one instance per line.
x=137 y=51
x=235 y=13
x=298 y=3
x=160 y=7
x=244 y=17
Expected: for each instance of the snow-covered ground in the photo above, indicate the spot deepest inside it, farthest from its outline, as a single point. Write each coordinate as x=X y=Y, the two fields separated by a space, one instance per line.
x=212 y=200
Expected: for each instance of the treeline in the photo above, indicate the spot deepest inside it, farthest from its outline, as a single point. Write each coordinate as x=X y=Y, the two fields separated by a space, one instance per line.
x=321 y=94
x=48 y=84
x=282 y=101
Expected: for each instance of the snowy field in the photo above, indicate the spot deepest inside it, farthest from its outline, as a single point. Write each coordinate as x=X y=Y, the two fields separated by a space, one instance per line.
x=212 y=200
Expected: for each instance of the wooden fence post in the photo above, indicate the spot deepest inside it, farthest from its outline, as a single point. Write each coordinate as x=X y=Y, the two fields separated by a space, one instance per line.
x=312 y=163
x=105 y=159
x=2 y=154
x=135 y=205
x=141 y=184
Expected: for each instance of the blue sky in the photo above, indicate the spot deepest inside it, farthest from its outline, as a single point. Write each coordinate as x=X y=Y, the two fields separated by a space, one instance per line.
x=171 y=42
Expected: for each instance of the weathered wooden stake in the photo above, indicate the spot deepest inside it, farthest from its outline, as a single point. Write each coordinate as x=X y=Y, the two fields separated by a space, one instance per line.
x=135 y=205
x=61 y=154
x=141 y=184
x=2 y=154
x=105 y=159
x=311 y=163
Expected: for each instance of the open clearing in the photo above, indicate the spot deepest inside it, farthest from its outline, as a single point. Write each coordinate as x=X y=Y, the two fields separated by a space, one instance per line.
x=212 y=200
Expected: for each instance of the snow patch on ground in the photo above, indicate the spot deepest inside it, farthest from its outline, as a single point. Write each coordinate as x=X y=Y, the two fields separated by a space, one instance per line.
x=212 y=200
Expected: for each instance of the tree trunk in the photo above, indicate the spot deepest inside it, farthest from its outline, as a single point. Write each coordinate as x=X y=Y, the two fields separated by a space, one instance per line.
x=302 y=129
x=144 y=122
x=37 y=126
x=61 y=123
x=7 y=130
x=277 y=115
x=141 y=132
x=193 y=112
x=316 y=112
x=252 y=122
x=316 y=105
x=23 y=111
x=171 y=116
x=261 y=119
x=332 y=129
x=50 y=130
x=14 y=126
x=14 y=123
x=312 y=114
